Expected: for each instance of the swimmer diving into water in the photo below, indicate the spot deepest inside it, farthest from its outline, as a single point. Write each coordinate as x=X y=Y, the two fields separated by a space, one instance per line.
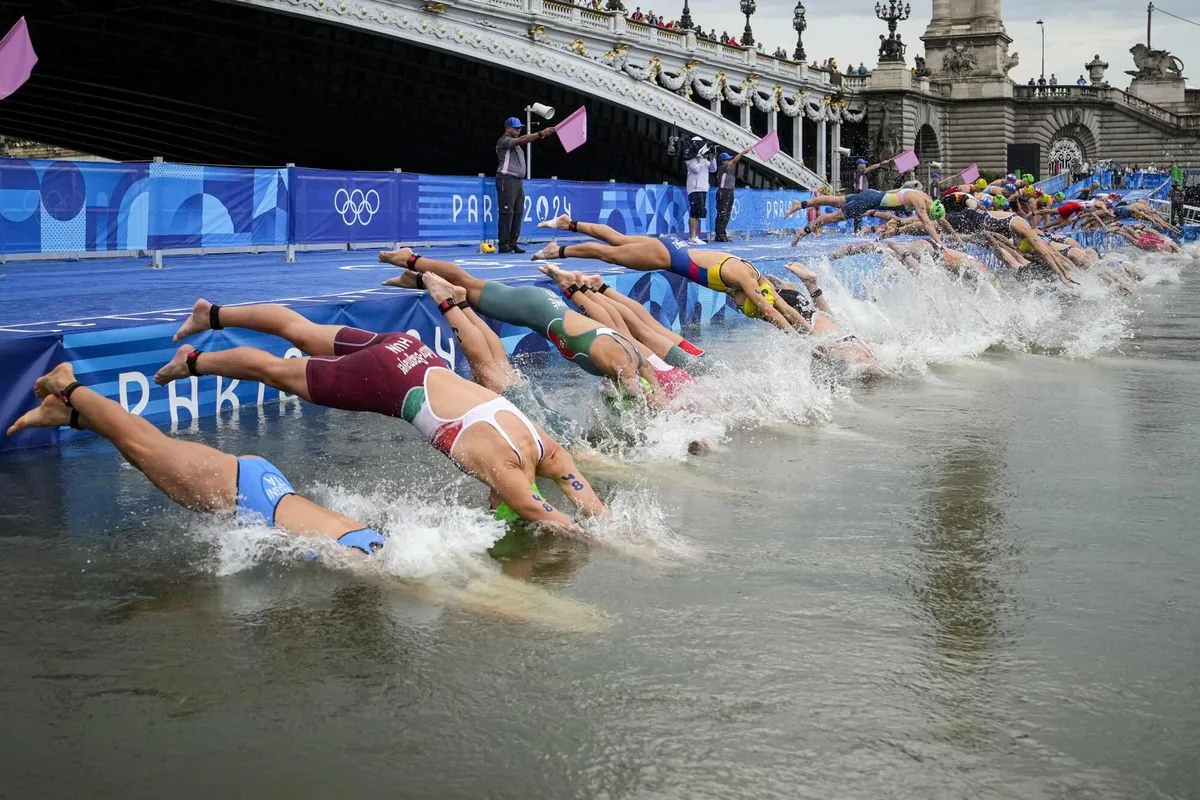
x=752 y=294
x=195 y=476
x=396 y=375
x=594 y=348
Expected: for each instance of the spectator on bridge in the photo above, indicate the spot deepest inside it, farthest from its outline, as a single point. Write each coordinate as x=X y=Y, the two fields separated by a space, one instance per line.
x=638 y=16
x=724 y=37
x=1032 y=82
x=1053 y=79
x=726 y=183
x=651 y=18
x=510 y=182
x=1082 y=81
x=1176 y=196
x=699 y=167
x=1042 y=85
x=712 y=35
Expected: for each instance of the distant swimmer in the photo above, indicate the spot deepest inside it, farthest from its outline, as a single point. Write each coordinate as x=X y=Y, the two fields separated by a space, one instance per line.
x=594 y=348
x=195 y=476
x=396 y=375
x=854 y=206
x=752 y=294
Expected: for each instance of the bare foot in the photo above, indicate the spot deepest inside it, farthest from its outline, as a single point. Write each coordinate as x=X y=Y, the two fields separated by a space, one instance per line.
x=699 y=447
x=438 y=288
x=556 y=274
x=546 y=253
x=560 y=223
x=176 y=368
x=800 y=234
x=803 y=273
x=52 y=413
x=397 y=258
x=197 y=323
x=590 y=281
x=54 y=381
x=406 y=280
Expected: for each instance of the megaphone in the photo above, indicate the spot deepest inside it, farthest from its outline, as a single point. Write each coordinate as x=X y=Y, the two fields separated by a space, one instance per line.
x=543 y=111
x=844 y=151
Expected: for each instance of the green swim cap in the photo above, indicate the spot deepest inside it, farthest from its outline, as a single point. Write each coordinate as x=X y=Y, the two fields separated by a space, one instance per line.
x=937 y=209
x=1028 y=178
x=1060 y=196
x=504 y=512
x=622 y=401
x=1000 y=201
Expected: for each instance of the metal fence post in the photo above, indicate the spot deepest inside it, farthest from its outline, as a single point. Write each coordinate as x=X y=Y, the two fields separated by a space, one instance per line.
x=396 y=244
x=289 y=254
x=156 y=256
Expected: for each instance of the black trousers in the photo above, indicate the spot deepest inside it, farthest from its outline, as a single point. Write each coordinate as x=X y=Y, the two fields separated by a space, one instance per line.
x=1176 y=213
x=724 y=212
x=510 y=193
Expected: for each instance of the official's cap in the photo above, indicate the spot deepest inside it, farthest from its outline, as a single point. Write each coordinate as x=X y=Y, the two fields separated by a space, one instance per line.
x=513 y=122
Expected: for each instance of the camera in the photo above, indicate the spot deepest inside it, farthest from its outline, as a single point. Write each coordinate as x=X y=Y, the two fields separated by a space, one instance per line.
x=696 y=146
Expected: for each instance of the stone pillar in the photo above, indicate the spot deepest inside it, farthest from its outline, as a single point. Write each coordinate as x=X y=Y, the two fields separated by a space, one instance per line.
x=744 y=114
x=941 y=10
x=772 y=121
x=798 y=138
x=716 y=103
x=836 y=167
x=822 y=150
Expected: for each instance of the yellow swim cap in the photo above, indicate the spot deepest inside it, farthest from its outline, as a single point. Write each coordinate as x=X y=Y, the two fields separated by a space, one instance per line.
x=487 y=247
x=981 y=184
x=768 y=291
x=1025 y=246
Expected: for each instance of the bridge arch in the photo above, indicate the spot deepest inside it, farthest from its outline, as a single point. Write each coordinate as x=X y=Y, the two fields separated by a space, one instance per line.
x=1070 y=146
x=927 y=146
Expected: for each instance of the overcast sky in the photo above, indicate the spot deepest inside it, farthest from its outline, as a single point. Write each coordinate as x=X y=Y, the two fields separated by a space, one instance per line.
x=1075 y=31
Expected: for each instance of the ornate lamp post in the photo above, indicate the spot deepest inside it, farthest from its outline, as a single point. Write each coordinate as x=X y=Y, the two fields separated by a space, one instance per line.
x=892 y=12
x=686 y=20
x=799 y=25
x=748 y=8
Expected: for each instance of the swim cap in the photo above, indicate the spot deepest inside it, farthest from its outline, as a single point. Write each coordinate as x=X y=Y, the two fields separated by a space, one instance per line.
x=487 y=247
x=768 y=291
x=981 y=184
x=937 y=209
x=1025 y=246
x=505 y=513
x=1001 y=201
x=1029 y=191
x=1060 y=196
x=987 y=201
x=1010 y=187
x=620 y=400
x=1038 y=192
x=1028 y=178
x=1047 y=200
x=1010 y=177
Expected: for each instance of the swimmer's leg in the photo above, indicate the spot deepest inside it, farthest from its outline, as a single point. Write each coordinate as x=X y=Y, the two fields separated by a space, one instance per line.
x=651 y=333
x=277 y=320
x=443 y=269
x=488 y=371
x=193 y=475
x=641 y=253
x=607 y=234
x=243 y=363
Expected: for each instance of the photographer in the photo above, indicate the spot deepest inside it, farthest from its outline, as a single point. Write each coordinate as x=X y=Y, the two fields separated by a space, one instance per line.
x=701 y=161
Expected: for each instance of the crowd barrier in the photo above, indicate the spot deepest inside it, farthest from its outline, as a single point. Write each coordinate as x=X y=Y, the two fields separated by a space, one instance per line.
x=70 y=208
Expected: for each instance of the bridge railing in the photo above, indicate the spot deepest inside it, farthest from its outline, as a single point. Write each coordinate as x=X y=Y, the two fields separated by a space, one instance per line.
x=58 y=209
x=1104 y=94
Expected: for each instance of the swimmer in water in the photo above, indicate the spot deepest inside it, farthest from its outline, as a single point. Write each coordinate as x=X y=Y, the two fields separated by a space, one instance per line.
x=908 y=254
x=854 y=206
x=396 y=375
x=596 y=349
x=752 y=294
x=808 y=298
x=195 y=476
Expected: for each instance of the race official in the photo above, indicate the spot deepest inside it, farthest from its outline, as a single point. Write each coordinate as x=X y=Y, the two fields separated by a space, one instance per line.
x=510 y=182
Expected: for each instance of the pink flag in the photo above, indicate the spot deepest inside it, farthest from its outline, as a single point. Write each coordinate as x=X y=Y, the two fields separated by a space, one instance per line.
x=970 y=174
x=767 y=146
x=906 y=161
x=16 y=58
x=572 y=131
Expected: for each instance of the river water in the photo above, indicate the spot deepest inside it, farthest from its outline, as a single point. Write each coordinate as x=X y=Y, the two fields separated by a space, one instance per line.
x=975 y=579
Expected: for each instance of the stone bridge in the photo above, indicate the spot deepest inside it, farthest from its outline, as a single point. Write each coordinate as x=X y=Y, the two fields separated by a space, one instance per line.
x=412 y=84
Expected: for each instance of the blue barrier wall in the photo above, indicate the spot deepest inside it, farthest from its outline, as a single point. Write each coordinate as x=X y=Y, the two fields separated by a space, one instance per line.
x=72 y=207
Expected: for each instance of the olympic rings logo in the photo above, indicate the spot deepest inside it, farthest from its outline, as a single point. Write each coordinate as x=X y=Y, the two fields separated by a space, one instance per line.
x=737 y=209
x=355 y=206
